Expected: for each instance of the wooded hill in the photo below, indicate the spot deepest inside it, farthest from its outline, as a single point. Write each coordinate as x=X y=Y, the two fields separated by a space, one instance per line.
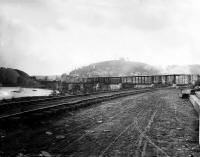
x=115 y=68
x=15 y=77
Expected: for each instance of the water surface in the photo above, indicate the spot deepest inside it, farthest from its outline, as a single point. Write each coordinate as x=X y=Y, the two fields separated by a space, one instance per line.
x=16 y=92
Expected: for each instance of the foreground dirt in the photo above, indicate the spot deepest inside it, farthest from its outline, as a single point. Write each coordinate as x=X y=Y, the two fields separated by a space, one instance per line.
x=143 y=125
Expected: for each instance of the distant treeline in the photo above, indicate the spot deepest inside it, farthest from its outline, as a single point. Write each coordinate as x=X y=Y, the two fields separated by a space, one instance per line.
x=15 y=77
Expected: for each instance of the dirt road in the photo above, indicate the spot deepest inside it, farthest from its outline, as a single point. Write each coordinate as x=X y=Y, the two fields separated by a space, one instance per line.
x=143 y=125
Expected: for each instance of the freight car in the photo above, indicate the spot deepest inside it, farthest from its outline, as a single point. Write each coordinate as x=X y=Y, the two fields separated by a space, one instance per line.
x=102 y=80
x=180 y=79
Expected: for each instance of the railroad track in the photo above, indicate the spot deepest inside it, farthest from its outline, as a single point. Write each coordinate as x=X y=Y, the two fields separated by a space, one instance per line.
x=33 y=100
x=13 y=109
x=23 y=104
x=26 y=100
x=64 y=145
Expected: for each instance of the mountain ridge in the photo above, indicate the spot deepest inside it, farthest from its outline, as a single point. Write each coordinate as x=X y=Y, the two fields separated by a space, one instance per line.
x=15 y=77
x=115 y=68
x=127 y=68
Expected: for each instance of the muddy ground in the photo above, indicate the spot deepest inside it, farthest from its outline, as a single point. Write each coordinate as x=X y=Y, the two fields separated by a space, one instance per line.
x=144 y=125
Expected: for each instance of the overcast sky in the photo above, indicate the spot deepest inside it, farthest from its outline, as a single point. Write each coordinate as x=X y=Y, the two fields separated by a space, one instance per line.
x=56 y=36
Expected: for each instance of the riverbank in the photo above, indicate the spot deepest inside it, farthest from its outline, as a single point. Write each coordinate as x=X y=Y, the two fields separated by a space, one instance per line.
x=17 y=92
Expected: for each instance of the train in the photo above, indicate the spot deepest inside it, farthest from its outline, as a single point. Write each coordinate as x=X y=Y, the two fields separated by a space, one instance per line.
x=139 y=80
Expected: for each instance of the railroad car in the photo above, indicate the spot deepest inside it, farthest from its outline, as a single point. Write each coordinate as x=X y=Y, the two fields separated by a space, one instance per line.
x=115 y=80
x=142 y=80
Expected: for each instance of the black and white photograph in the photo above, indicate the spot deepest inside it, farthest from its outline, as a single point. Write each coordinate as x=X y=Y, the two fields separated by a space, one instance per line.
x=99 y=78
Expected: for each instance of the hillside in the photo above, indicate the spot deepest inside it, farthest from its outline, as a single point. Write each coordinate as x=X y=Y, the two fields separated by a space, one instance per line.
x=48 y=77
x=182 y=69
x=115 y=68
x=15 y=77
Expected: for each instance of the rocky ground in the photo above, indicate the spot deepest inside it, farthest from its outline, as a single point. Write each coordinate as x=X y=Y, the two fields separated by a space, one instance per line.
x=144 y=125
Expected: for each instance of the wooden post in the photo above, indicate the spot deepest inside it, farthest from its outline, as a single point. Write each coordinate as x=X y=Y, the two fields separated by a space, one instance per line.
x=174 y=80
x=189 y=79
x=160 y=79
x=199 y=129
x=152 y=79
x=135 y=80
x=141 y=80
x=146 y=79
